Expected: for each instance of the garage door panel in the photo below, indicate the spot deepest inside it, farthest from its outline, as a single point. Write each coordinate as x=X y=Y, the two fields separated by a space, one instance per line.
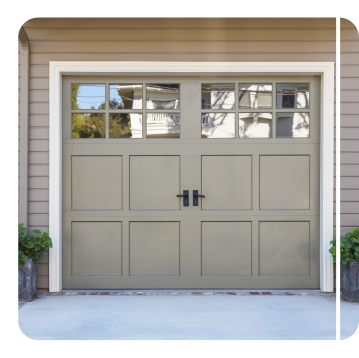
x=123 y=226
x=226 y=248
x=154 y=249
x=223 y=191
x=284 y=248
x=96 y=248
x=154 y=182
x=284 y=182
x=96 y=182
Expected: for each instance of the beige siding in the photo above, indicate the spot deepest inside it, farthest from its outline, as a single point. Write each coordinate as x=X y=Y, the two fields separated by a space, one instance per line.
x=349 y=126
x=186 y=40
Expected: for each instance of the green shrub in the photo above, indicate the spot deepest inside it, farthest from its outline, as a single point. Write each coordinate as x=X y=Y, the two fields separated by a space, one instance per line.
x=32 y=247
x=349 y=247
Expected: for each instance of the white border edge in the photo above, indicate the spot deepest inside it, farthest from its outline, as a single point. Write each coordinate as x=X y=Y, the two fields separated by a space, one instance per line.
x=326 y=69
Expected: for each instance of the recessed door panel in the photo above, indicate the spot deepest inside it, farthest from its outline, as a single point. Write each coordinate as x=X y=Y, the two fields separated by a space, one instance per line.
x=96 y=248
x=154 y=249
x=227 y=182
x=154 y=182
x=284 y=248
x=226 y=248
x=284 y=182
x=96 y=182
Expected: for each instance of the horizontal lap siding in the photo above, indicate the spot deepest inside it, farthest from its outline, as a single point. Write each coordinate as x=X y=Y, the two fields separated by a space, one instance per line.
x=252 y=40
x=349 y=126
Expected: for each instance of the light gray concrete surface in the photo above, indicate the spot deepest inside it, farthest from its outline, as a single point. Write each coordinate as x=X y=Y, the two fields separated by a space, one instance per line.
x=349 y=321
x=185 y=317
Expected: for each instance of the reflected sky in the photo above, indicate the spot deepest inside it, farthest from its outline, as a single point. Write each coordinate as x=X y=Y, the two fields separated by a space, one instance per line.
x=88 y=96
x=125 y=96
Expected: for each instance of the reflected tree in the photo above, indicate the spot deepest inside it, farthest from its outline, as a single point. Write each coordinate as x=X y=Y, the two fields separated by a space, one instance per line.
x=88 y=125
x=120 y=125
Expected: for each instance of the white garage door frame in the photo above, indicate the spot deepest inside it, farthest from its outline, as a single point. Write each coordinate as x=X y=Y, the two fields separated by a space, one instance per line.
x=325 y=69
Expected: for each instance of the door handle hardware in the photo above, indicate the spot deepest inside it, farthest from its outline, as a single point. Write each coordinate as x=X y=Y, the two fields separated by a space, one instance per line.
x=196 y=196
x=185 y=197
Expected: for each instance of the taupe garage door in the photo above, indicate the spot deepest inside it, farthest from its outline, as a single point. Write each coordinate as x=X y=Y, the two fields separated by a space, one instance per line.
x=249 y=145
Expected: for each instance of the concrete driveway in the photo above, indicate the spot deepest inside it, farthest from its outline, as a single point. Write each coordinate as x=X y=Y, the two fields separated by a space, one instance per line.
x=185 y=317
x=349 y=321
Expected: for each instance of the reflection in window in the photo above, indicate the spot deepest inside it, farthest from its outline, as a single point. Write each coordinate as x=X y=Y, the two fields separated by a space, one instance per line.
x=255 y=96
x=125 y=125
x=163 y=125
x=255 y=125
x=293 y=125
x=162 y=96
x=218 y=125
x=293 y=95
x=88 y=96
x=125 y=96
x=88 y=125
x=217 y=96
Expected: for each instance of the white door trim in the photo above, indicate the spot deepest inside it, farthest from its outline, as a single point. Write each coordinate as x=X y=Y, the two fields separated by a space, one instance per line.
x=325 y=69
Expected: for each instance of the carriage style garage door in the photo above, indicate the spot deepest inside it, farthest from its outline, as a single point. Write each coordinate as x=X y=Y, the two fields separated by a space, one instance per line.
x=247 y=146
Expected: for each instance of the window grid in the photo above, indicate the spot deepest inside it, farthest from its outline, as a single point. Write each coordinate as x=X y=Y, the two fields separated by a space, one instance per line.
x=144 y=111
x=273 y=110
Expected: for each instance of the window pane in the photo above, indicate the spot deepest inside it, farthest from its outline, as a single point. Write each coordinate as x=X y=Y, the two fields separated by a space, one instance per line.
x=163 y=125
x=162 y=96
x=125 y=125
x=255 y=125
x=217 y=96
x=293 y=125
x=88 y=125
x=255 y=96
x=88 y=96
x=125 y=96
x=293 y=95
x=218 y=125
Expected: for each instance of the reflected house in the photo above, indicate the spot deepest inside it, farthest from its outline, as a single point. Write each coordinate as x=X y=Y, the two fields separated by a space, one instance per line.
x=218 y=125
x=291 y=95
x=255 y=125
x=218 y=96
x=162 y=125
x=293 y=125
x=255 y=96
x=131 y=95
x=215 y=97
x=161 y=97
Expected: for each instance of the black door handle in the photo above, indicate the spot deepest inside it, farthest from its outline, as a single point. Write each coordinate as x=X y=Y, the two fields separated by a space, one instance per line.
x=185 y=197
x=196 y=196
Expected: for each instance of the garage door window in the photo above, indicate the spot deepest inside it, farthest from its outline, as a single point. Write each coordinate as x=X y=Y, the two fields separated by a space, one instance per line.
x=118 y=110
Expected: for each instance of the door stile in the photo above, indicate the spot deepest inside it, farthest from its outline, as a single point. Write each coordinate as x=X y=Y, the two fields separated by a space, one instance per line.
x=125 y=248
x=125 y=184
x=255 y=248
x=255 y=182
x=190 y=230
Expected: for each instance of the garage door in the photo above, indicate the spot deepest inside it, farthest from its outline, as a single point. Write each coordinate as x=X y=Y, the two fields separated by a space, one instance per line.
x=191 y=182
